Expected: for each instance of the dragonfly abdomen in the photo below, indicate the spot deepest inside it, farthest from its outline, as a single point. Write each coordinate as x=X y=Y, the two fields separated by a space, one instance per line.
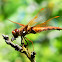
x=39 y=29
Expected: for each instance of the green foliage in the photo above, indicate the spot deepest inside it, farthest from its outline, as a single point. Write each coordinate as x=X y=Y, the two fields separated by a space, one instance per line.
x=48 y=45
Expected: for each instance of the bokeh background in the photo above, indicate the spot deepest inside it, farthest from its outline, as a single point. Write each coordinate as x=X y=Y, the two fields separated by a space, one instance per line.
x=47 y=44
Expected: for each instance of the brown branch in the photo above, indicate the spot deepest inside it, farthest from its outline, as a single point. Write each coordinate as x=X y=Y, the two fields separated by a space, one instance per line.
x=30 y=55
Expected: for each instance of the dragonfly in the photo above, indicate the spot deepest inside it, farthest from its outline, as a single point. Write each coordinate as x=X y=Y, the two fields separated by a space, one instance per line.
x=31 y=27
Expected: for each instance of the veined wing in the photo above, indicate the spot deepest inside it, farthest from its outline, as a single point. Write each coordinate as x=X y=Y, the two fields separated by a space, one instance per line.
x=32 y=22
x=44 y=24
x=41 y=17
x=17 y=23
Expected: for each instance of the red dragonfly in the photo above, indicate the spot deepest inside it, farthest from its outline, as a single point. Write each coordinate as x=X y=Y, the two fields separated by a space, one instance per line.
x=27 y=29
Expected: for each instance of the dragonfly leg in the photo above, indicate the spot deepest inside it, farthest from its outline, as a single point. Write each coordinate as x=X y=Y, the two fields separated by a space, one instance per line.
x=22 y=40
x=26 y=41
x=23 y=44
x=31 y=42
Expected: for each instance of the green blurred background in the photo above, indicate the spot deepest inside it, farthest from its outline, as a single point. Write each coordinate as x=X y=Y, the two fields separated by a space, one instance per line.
x=47 y=44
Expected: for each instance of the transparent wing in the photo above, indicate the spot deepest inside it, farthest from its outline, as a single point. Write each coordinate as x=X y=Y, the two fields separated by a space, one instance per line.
x=46 y=23
x=41 y=17
x=17 y=23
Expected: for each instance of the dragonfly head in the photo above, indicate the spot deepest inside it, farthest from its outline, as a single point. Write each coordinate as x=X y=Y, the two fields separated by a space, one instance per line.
x=15 y=33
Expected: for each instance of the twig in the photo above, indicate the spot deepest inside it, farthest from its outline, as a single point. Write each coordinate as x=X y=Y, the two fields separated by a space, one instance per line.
x=30 y=55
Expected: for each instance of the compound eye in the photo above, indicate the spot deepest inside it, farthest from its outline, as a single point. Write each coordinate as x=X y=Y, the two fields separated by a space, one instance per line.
x=16 y=30
x=13 y=32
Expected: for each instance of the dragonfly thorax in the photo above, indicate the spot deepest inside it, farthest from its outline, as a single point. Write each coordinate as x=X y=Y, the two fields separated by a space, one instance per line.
x=23 y=30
